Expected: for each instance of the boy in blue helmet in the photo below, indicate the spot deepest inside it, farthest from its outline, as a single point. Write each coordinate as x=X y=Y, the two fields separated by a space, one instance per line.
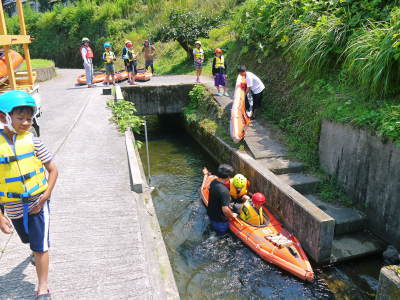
x=24 y=190
x=109 y=58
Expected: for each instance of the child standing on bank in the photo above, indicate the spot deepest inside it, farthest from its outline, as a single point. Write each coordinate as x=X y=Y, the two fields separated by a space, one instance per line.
x=198 y=56
x=130 y=60
x=25 y=192
x=109 y=58
x=219 y=70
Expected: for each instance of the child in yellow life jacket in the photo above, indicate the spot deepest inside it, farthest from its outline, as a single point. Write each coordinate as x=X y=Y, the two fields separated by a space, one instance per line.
x=251 y=210
x=219 y=70
x=109 y=58
x=24 y=187
x=238 y=187
x=130 y=60
x=198 y=56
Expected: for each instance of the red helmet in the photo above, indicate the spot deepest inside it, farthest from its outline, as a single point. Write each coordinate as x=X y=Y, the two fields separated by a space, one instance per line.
x=259 y=198
x=129 y=44
x=218 y=50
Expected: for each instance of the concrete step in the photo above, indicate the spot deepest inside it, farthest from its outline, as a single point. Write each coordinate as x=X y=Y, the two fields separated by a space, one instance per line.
x=350 y=246
x=347 y=220
x=263 y=141
x=303 y=183
x=280 y=165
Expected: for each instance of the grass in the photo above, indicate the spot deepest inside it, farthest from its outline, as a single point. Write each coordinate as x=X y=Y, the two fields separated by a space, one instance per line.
x=38 y=63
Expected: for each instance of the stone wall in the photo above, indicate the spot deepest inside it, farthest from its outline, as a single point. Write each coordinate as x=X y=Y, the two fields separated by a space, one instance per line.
x=389 y=284
x=44 y=74
x=163 y=99
x=369 y=170
x=310 y=225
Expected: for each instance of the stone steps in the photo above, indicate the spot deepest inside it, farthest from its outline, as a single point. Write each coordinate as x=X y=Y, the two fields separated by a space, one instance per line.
x=303 y=183
x=280 y=165
x=354 y=245
x=347 y=220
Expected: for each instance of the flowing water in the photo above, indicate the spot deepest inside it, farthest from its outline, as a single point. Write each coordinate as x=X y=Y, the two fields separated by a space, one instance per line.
x=207 y=267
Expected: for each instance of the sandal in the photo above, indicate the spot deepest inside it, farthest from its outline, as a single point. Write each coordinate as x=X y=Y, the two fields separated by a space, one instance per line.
x=43 y=296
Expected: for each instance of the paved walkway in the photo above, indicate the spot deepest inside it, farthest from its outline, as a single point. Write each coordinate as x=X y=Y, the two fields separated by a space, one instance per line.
x=96 y=250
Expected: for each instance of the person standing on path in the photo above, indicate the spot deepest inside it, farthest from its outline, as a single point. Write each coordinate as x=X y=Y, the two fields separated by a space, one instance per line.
x=218 y=209
x=109 y=58
x=149 y=52
x=219 y=70
x=255 y=86
x=130 y=60
x=25 y=191
x=87 y=56
x=198 y=56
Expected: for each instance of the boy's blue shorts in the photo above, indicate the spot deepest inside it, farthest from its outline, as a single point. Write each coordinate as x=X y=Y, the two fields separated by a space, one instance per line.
x=220 y=227
x=38 y=224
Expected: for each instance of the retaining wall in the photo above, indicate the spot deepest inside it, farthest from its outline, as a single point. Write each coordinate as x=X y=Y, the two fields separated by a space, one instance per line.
x=156 y=100
x=369 y=170
x=311 y=226
x=389 y=284
x=44 y=74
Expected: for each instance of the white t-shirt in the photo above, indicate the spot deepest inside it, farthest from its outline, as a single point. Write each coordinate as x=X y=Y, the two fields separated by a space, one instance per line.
x=254 y=83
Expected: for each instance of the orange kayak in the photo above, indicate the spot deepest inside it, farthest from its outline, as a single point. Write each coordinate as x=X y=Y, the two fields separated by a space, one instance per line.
x=239 y=120
x=270 y=241
x=100 y=76
x=16 y=59
x=143 y=75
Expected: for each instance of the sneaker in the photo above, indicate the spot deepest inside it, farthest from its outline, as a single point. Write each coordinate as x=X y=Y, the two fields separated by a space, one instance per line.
x=226 y=94
x=219 y=94
x=32 y=259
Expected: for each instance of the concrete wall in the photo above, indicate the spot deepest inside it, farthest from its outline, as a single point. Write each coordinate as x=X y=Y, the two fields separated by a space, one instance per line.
x=44 y=74
x=155 y=100
x=389 y=284
x=370 y=172
x=310 y=225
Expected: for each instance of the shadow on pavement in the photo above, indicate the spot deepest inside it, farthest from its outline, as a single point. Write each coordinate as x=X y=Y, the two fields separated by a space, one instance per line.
x=13 y=286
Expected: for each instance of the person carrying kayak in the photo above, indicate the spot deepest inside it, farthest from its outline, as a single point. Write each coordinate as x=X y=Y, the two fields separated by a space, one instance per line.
x=219 y=70
x=251 y=210
x=25 y=191
x=255 y=87
x=218 y=209
x=149 y=52
x=198 y=56
x=130 y=60
x=109 y=58
x=87 y=56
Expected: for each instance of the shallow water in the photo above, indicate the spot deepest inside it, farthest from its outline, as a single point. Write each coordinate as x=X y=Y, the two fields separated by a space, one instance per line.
x=207 y=267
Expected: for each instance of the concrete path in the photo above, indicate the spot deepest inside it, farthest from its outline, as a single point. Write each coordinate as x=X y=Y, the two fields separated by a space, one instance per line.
x=97 y=251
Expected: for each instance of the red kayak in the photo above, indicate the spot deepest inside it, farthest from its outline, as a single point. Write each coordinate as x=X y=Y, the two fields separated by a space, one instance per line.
x=270 y=241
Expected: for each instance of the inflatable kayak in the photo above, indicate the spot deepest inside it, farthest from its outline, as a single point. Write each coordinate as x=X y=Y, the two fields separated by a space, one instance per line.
x=143 y=75
x=270 y=241
x=100 y=76
x=16 y=59
x=239 y=119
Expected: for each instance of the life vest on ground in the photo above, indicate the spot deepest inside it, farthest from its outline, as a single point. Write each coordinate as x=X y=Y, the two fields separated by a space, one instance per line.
x=198 y=54
x=108 y=57
x=219 y=62
x=233 y=191
x=89 y=52
x=249 y=214
x=22 y=174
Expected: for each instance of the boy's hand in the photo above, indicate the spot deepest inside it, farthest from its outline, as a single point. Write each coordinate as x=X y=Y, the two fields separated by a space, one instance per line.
x=42 y=200
x=5 y=225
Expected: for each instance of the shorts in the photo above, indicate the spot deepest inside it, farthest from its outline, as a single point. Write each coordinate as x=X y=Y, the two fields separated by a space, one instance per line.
x=219 y=80
x=220 y=227
x=198 y=64
x=110 y=69
x=38 y=224
x=131 y=67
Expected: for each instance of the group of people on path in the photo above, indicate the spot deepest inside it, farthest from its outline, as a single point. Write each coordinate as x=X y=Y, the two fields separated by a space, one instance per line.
x=254 y=86
x=230 y=198
x=108 y=57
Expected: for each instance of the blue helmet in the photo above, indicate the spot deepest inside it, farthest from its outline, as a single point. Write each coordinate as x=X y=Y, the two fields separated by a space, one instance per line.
x=16 y=98
x=107 y=45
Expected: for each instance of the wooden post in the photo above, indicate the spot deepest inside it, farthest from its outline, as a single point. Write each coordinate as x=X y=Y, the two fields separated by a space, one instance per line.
x=26 y=47
x=3 y=31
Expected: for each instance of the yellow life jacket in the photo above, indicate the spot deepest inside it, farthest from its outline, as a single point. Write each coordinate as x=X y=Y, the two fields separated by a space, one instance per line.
x=198 y=54
x=219 y=62
x=131 y=55
x=22 y=174
x=250 y=215
x=233 y=191
x=108 y=57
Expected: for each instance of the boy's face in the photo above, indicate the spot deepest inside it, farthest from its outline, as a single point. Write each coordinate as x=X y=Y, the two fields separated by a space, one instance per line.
x=198 y=46
x=242 y=73
x=219 y=54
x=107 y=49
x=21 y=121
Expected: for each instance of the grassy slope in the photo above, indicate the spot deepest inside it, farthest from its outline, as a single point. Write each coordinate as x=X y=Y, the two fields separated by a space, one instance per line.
x=38 y=63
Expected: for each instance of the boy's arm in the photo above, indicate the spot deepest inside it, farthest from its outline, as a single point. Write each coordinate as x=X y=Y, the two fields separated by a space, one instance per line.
x=51 y=181
x=5 y=224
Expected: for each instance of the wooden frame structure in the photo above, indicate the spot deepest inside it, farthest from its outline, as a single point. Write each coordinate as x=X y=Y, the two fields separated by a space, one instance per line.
x=6 y=41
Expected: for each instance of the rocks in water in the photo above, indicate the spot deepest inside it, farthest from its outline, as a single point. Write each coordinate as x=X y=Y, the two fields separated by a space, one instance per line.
x=391 y=256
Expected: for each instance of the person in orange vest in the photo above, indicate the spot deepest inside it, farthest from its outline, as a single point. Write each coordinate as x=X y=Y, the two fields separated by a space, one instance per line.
x=87 y=56
x=238 y=187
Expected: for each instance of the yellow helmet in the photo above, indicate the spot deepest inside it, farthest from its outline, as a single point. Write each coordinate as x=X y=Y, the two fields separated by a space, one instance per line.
x=239 y=181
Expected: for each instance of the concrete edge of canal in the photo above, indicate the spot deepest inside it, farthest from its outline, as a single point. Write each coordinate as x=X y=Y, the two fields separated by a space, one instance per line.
x=389 y=283
x=158 y=264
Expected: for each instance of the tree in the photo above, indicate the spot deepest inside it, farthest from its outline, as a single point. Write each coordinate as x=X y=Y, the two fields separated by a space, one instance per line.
x=186 y=27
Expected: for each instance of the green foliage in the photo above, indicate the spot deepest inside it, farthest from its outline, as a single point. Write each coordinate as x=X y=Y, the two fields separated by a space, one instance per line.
x=38 y=63
x=124 y=115
x=185 y=27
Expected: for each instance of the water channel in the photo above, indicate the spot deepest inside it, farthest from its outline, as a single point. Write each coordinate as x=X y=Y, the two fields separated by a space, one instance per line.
x=206 y=267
